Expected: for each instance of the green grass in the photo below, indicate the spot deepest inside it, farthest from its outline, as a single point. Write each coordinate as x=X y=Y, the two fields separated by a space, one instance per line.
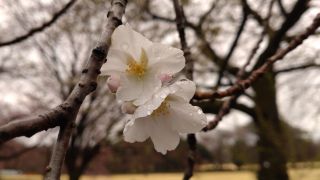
x=295 y=174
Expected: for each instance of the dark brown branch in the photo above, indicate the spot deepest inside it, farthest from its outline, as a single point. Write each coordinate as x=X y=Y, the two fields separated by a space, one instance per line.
x=295 y=68
x=213 y=107
x=181 y=24
x=244 y=84
x=30 y=126
x=209 y=51
x=86 y=85
x=191 y=138
x=88 y=81
x=299 y=8
x=231 y=102
x=45 y=25
x=206 y=14
x=282 y=9
x=253 y=13
x=233 y=45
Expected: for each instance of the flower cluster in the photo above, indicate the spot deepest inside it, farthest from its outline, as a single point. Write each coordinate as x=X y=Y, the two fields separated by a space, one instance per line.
x=140 y=74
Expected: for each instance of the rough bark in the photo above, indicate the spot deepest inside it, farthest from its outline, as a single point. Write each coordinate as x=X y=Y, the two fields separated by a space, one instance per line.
x=272 y=138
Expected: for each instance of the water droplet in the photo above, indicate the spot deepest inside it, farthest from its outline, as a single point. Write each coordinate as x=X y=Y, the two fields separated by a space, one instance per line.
x=149 y=112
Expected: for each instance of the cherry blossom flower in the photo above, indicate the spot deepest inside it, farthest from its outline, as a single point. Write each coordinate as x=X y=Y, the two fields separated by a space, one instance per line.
x=139 y=63
x=164 y=116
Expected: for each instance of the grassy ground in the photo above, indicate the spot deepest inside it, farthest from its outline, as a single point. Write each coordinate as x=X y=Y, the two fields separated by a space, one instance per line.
x=297 y=174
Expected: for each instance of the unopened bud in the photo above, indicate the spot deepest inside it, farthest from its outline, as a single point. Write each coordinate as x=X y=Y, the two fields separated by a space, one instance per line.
x=165 y=78
x=128 y=107
x=113 y=83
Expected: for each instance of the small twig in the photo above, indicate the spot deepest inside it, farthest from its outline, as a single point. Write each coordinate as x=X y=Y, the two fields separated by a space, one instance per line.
x=233 y=45
x=35 y=30
x=181 y=21
x=276 y=38
x=282 y=9
x=207 y=13
x=301 y=67
x=244 y=84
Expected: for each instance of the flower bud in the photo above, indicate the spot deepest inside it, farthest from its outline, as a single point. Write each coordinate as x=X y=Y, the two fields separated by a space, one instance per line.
x=113 y=83
x=128 y=108
x=165 y=78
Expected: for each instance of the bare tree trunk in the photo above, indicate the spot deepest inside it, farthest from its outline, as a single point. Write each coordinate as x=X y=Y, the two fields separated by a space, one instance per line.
x=78 y=160
x=272 y=138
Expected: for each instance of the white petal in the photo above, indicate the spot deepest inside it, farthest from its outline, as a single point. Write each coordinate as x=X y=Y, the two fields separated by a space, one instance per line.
x=185 y=118
x=165 y=59
x=136 y=131
x=130 y=88
x=154 y=102
x=138 y=90
x=150 y=84
x=116 y=62
x=128 y=40
x=163 y=137
x=186 y=90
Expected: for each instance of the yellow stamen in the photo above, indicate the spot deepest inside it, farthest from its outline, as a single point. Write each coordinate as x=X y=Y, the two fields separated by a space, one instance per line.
x=163 y=109
x=138 y=68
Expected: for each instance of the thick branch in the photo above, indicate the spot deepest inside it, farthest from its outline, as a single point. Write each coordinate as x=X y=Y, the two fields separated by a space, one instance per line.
x=86 y=84
x=300 y=7
x=35 y=30
x=88 y=81
x=228 y=104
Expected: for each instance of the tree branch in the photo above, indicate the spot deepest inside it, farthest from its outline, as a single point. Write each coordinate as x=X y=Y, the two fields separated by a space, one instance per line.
x=35 y=30
x=244 y=84
x=295 y=68
x=188 y=70
x=226 y=106
x=88 y=81
x=233 y=45
x=282 y=9
x=206 y=14
x=300 y=7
